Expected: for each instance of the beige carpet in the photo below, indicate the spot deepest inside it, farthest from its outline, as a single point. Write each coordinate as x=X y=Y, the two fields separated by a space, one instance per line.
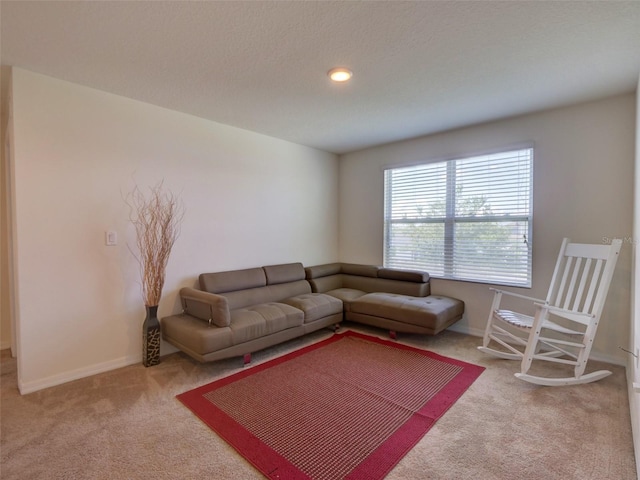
x=127 y=424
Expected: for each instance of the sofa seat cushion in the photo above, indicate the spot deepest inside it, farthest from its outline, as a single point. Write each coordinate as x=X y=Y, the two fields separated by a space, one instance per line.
x=264 y=319
x=196 y=335
x=432 y=312
x=315 y=305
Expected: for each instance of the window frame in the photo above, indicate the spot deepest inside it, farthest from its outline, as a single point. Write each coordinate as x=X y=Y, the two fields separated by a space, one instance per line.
x=450 y=219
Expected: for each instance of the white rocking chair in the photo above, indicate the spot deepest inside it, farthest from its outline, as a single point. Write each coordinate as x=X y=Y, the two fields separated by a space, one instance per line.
x=565 y=324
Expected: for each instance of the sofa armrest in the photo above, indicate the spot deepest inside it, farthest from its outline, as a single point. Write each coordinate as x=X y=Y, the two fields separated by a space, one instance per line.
x=205 y=306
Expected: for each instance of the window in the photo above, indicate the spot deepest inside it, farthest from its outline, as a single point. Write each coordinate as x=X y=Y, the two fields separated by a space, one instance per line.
x=464 y=219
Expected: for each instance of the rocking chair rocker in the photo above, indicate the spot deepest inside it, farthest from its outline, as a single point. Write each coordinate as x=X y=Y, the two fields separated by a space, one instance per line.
x=565 y=323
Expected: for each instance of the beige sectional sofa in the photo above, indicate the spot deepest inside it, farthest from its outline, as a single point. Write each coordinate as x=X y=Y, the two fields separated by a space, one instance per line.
x=238 y=312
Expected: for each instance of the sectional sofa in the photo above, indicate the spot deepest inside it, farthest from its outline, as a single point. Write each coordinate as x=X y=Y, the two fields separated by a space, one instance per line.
x=238 y=312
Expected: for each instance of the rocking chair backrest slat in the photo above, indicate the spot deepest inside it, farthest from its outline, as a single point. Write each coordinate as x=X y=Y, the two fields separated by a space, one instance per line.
x=607 y=275
x=567 y=268
x=583 y=282
x=569 y=295
x=576 y=272
x=592 y=287
x=553 y=286
x=588 y=251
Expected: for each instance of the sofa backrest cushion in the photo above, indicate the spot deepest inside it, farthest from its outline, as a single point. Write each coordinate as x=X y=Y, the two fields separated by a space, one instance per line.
x=250 y=296
x=368 y=278
x=399 y=287
x=270 y=293
x=243 y=288
x=404 y=275
x=222 y=282
x=286 y=290
x=319 y=271
x=360 y=270
x=326 y=284
x=289 y=272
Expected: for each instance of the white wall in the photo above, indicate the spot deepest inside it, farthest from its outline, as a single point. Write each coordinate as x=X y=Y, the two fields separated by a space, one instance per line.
x=583 y=189
x=250 y=200
x=5 y=300
x=633 y=365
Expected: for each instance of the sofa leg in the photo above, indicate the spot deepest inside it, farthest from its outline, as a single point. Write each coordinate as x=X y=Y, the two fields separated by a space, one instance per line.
x=246 y=359
x=392 y=334
x=336 y=327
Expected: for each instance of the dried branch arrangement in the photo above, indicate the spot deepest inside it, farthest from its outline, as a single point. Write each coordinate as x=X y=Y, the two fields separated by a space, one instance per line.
x=156 y=218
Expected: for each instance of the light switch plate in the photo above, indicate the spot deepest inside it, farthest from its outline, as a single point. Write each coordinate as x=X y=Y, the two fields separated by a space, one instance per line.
x=111 y=238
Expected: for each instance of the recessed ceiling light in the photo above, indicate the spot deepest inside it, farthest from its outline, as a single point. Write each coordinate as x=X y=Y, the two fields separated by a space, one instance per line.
x=340 y=74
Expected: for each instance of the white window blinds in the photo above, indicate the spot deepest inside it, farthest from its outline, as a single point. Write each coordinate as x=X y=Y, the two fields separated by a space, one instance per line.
x=465 y=219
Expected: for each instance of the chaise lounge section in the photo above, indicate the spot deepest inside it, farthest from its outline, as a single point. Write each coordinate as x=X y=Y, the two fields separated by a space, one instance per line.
x=396 y=300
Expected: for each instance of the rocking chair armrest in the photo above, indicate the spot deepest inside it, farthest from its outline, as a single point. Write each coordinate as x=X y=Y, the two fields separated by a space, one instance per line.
x=518 y=295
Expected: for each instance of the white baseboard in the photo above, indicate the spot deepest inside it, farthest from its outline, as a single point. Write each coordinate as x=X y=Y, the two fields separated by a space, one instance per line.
x=602 y=357
x=474 y=332
x=59 y=379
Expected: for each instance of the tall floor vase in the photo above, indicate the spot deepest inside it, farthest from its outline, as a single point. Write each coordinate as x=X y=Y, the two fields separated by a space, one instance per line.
x=151 y=337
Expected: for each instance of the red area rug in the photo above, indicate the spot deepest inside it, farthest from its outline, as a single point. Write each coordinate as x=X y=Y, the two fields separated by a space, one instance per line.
x=348 y=407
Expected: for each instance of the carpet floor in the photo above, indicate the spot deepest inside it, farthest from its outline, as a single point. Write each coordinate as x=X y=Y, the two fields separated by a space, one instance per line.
x=128 y=424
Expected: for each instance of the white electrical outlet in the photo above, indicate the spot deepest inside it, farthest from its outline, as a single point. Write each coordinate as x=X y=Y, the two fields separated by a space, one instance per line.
x=111 y=238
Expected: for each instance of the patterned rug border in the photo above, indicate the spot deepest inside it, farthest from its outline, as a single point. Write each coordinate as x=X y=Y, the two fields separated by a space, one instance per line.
x=378 y=463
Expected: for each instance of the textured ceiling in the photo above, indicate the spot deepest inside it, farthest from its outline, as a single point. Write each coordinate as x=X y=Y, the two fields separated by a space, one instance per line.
x=419 y=67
